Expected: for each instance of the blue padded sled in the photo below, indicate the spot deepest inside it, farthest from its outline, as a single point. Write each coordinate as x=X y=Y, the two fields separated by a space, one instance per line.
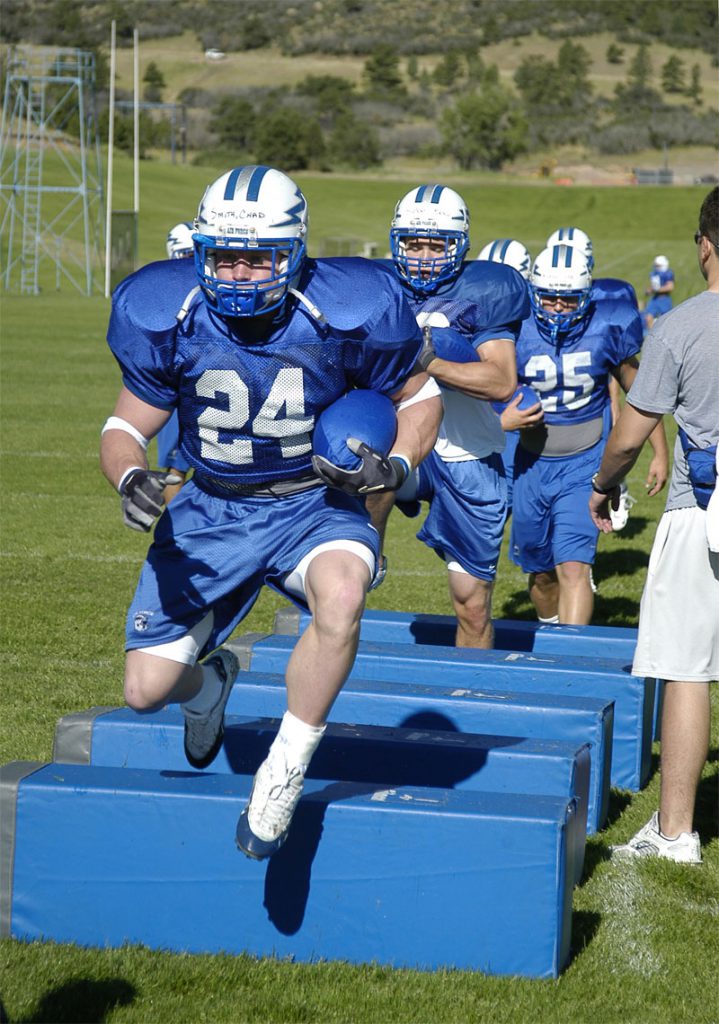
x=426 y=755
x=575 y=720
x=546 y=673
x=406 y=876
x=381 y=626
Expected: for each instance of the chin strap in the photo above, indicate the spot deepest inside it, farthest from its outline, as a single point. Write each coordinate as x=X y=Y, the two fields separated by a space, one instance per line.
x=310 y=306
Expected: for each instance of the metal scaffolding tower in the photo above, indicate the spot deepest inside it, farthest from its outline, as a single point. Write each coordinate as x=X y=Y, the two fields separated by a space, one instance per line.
x=51 y=218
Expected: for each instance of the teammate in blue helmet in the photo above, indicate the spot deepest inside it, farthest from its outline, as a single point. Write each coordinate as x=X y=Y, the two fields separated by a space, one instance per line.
x=661 y=286
x=470 y=313
x=612 y=288
x=566 y=351
x=250 y=342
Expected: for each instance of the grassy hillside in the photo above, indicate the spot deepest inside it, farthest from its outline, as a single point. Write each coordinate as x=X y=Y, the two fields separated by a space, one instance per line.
x=182 y=62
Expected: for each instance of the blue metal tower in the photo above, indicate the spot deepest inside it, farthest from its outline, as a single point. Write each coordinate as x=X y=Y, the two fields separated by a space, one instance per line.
x=51 y=194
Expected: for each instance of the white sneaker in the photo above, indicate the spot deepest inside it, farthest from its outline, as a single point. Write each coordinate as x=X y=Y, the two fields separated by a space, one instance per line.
x=204 y=732
x=621 y=515
x=265 y=822
x=649 y=842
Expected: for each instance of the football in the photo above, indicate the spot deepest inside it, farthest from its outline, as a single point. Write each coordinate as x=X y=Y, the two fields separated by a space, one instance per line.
x=367 y=415
x=529 y=398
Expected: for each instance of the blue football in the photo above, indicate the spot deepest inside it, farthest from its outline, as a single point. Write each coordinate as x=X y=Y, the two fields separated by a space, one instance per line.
x=529 y=398
x=366 y=415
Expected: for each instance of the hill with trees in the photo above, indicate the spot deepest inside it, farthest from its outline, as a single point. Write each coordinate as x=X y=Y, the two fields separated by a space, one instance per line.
x=426 y=83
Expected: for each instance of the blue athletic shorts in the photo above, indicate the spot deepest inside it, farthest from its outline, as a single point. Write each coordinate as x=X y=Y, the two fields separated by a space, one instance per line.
x=550 y=514
x=467 y=511
x=510 y=449
x=216 y=553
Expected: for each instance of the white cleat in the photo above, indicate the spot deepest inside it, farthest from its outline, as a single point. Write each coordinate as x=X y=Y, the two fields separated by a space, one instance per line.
x=649 y=842
x=621 y=515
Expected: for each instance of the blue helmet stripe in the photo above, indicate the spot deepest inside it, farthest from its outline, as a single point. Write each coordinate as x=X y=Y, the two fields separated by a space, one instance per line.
x=251 y=177
x=232 y=183
x=420 y=194
x=253 y=188
x=438 y=190
x=503 y=250
x=555 y=256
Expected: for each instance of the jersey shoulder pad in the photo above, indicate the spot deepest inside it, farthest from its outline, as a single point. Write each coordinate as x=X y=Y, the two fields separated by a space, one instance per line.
x=152 y=297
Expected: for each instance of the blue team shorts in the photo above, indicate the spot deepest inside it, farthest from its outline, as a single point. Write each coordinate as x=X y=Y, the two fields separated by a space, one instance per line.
x=217 y=553
x=550 y=516
x=168 y=452
x=658 y=305
x=467 y=511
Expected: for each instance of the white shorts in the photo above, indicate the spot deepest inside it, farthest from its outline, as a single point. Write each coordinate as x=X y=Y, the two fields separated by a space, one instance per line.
x=679 y=614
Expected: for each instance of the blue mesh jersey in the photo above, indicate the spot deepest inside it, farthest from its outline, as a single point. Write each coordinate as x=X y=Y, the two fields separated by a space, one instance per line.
x=248 y=394
x=485 y=300
x=572 y=377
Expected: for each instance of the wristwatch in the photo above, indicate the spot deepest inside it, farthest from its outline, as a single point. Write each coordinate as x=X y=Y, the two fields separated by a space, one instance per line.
x=604 y=491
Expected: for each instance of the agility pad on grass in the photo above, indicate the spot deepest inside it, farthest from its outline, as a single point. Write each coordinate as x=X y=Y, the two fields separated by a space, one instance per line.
x=546 y=674
x=406 y=876
x=384 y=756
x=380 y=626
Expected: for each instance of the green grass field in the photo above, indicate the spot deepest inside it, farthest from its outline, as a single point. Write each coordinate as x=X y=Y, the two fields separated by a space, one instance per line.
x=645 y=938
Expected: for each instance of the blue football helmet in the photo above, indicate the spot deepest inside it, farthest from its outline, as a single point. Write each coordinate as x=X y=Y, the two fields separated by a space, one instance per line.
x=251 y=209
x=179 y=241
x=508 y=251
x=560 y=271
x=367 y=415
x=433 y=212
x=576 y=237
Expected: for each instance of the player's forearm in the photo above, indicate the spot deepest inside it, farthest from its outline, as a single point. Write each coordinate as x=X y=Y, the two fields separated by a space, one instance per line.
x=486 y=380
x=658 y=441
x=119 y=452
x=417 y=429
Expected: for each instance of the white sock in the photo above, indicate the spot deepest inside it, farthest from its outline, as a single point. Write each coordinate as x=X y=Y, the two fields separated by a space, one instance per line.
x=208 y=694
x=553 y=620
x=296 y=741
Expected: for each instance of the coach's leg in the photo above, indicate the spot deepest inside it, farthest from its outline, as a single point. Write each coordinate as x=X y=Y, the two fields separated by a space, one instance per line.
x=472 y=600
x=576 y=598
x=684 y=750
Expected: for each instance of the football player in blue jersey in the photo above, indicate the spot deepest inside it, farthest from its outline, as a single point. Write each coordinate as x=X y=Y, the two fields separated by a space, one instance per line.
x=661 y=286
x=566 y=351
x=470 y=313
x=250 y=342
x=169 y=457
x=605 y=288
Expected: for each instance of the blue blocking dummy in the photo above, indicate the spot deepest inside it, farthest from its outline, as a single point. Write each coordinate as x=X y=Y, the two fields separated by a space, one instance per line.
x=403 y=876
x=549 y=673
x=425 y=753
x=616 y=642
x=574 y=720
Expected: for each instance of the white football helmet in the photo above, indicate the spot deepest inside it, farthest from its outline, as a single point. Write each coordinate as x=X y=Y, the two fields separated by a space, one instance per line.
x=560 y=270
x=430 y=211
x=251 y=208
x=509 y=251
x=576 y=237
x=661 y=263
x=179 y=241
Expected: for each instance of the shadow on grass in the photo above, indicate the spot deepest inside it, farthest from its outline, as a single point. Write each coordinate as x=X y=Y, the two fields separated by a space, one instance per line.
x=81 y=1000
x=585 y=925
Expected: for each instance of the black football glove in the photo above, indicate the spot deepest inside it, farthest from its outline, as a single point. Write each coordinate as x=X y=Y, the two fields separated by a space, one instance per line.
x=427 y=353
x=143 y=498
x=376 y=472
